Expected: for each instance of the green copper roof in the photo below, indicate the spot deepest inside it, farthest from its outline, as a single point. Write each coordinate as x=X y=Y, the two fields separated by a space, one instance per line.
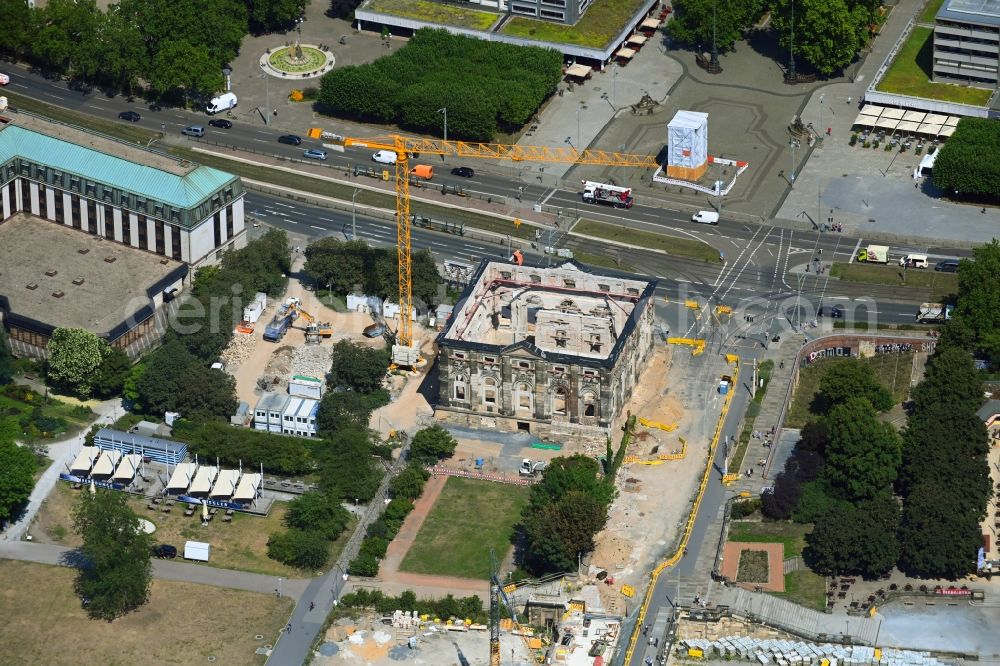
x=183 y=191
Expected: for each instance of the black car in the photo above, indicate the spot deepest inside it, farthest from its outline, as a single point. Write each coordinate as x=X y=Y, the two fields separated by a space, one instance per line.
x=165 y=551
x=290 y=139
x=221 y=123
x=130 y=116
x=947 y=266
x=832 y=311
x=464 y=172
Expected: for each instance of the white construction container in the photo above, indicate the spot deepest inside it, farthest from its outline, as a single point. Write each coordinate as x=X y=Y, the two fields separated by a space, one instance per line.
x=306 y=387
x=252 y=312
x=196 y=550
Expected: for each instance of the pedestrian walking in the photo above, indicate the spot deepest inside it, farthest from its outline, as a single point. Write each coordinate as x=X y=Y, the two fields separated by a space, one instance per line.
x=288 y=628
x=848 y=100
x=312 y=605
x=829 y=130
x=781 y=365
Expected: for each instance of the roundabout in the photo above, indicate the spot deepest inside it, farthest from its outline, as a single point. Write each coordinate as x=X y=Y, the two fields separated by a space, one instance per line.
x=297 y=61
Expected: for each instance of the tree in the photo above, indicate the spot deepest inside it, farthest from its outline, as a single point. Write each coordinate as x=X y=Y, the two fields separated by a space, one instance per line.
x=6 y=358
x=847 y=378
x=117 y=550
x=75 y=354
x=181 y=67
x=863 y=454
x=853 y=540
x=357 y=367
x=567 y=474
x=410 y=482
x=978 y=305
x=694 y=22
x=966 y=165
x=17 y=478
x=347 y=467
x=363 y=565
x=273 y=14
x=305 y=549
x=432 y=444
x=562 y=531
x=340 y=409
x=937 y=539
x=319 y=512
x=828 y=33
x=112 y=373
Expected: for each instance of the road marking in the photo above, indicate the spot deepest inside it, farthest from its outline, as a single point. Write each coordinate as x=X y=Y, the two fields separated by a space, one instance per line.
x=99 y=108
x=278 y=203
x=326 y=219
x=855 y=253
x=260 y=140
x=315 y=227
x=19 y=85
x=549 y=196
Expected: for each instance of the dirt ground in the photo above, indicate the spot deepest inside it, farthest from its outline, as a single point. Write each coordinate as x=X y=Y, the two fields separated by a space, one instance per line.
x=183 y=623
x=654 y=498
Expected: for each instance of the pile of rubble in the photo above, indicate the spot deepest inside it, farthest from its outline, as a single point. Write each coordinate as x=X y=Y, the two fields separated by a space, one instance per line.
x=311 y=361
x=238 y=350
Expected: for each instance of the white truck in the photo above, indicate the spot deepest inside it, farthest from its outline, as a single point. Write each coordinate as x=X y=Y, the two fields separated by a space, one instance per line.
x=611 y=195
x=532 y=467
x=874 y=254
x=933 y=313
x=223 y=102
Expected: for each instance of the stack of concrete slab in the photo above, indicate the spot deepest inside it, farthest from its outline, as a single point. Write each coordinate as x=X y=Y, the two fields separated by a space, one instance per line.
x=801 y=653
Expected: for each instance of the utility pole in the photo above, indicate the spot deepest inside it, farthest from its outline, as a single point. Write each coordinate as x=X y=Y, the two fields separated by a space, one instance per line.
x=354 y=216
x=267 y=97
x=444 y=110
x=753 y=386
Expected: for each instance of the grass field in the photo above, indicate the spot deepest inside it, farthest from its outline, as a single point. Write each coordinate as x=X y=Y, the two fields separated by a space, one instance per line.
x=930 y=11
x=805 y=588
x=120 y=129
x=468 y=519
x=602 y=21
x=183 y=623
x=678 y=247
x=941 y=285
x=433 y=12
x=910 y=73
x=241 y=544
x=67 y=418
x=892 y=370
x=791 y=535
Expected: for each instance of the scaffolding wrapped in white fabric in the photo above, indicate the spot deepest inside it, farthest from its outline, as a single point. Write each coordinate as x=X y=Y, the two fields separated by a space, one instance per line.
x=687 y=144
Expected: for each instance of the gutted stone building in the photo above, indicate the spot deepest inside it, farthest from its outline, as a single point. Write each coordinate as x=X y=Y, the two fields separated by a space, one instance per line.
x=549 y=351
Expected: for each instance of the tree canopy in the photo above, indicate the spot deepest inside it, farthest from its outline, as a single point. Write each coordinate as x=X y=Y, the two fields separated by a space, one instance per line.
x=977 y=310
x=694 y=22
x=848 y=378
x=357 y=367
x=75 y=354
x=863 y=454
x=432 y=444
x=968 y=164
x=17 y=477
x=486 y=86
x=6 y=359
x=278 y=454
x=828 y=33
x=175 y=380
x=858 y=540
x=117 y=550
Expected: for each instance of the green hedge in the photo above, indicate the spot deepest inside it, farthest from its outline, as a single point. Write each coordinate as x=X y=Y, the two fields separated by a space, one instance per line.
x=968 y=165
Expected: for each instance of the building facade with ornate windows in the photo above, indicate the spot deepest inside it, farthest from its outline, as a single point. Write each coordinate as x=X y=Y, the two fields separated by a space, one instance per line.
x=99 y=233
x=546 y=350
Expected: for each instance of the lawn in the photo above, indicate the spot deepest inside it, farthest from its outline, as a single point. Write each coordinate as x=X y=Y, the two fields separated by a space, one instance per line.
x=910 y=74
x=930 y=11
x=679 y=247
x=468 y=519
x=892 y=370
x=183 y=623
x=434 y=12
x=599 y=25
x=241 y=544
x=805 y=588
x=58 y=418
x=120 y=129
x=941 y=284
x=791 y=535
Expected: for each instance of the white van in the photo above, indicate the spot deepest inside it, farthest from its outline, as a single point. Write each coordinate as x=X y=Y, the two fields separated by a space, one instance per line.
x=4 y=79
x=706 y=217
x=914 y=261
x=222 y=103
x=385 y=157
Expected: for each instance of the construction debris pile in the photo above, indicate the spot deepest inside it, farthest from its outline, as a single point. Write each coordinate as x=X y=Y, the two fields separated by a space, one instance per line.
x=311 y=361
x=782 y=652
x=275 y=375
x=239 y=349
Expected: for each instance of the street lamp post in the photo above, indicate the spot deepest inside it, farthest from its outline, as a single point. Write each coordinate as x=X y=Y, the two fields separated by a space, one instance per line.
x=354 y=216
x=578 y=129
x=822 y=97
x=444 y=110
x=267 y=97
x=791 y=178
x=614 y=86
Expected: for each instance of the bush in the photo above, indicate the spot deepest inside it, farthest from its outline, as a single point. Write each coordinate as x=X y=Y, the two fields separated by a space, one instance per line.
x=305 y=549
x=374 y=546
x=432 y=444
x=279 y=454
x=969 y=162
x=363 y=565
x=410 y=482
x=745 y=508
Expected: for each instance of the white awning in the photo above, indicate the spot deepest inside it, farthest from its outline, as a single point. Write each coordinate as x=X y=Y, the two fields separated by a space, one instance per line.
x=914 y=116
x=246 y=491
x=930 y=129
x=127 y=467
x=106 y=464
x=907 y=126
x=637 y=39
x=579 y=71
x=952 y=121
x=866 y=121
x=887 y=123
x=872 y=109
x=650 y=24
x=935 y=119
x=85 y=460
x=203 y=480
x=895 y=114
x=225 y=484
x=180 y=480
x=946 y=131
x=625 y=53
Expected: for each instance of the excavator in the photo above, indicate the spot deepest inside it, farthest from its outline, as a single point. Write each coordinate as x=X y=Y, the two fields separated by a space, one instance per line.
x=314 y=329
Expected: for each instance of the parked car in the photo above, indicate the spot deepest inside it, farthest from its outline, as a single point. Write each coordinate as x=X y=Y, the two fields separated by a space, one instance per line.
x=221 y=123
x=4 y=79
x=464 y=172
x=947 y=266
x=194 y=130
x=165 y=551
x=315 y=154
x=290 y=139
x=130 y=116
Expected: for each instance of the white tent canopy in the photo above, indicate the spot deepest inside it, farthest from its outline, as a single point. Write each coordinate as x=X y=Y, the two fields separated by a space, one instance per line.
x=866 y=121
x=106 y=463
x=887 y=123
x=935 y=119
x=85 y=460
x=204 y=479
x=894 y=114
x=128 y=467
x=952 y=121
x=180 y=480
x=931 y=129
x=579 y=71
x=225 y=484
x=246 y=491
x=907 y=126
x=914 y=116
x=946 y=131
x=872 y=109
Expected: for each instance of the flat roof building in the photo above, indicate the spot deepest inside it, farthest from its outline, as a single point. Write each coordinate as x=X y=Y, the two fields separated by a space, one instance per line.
x=546 y=350
x=967 y=43
x=118 y=225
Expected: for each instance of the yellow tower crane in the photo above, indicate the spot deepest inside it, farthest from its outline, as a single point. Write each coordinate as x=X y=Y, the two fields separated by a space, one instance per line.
x=403 y=352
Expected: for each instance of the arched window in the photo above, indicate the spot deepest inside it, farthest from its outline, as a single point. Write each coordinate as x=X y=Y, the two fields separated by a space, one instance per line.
x=559 y=401
x=489 y=391
x=460 y=387
x=589 y=404
x=522 y=396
